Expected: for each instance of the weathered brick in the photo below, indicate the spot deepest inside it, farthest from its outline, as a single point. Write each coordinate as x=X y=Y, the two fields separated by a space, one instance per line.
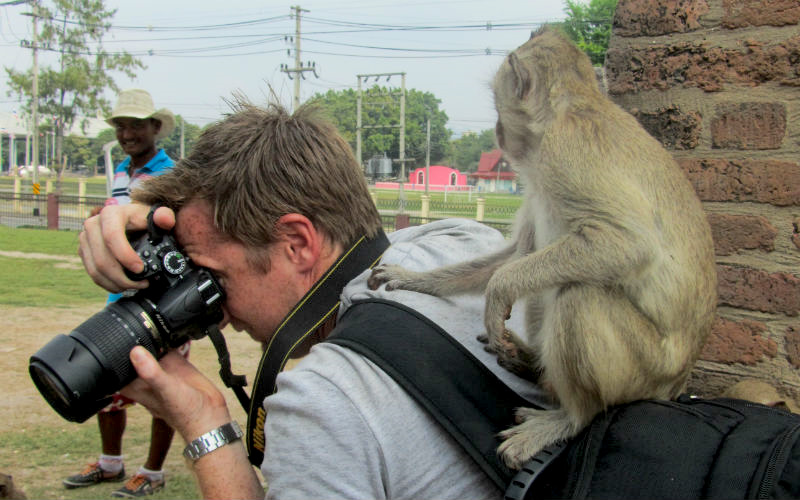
x=748 y=125
x=764 y=181
x=758 y=290
x=742 y=13
x=738 y=342
x=685 y=64
x=674 y=128
x=741 y=232
x=793 y=346
x=657 y=17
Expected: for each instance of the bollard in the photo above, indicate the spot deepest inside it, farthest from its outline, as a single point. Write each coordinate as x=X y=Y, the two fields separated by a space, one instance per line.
x=52 y=211
x=426 y=207
x=481 y=202
x=82 y=213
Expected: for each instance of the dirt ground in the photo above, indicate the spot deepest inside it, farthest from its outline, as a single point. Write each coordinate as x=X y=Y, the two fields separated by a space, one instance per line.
x=29 y=328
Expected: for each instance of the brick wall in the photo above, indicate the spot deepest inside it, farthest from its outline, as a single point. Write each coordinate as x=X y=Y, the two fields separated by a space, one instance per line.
x=718 y=83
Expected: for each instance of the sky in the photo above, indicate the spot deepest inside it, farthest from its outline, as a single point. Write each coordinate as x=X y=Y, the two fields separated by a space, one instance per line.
x=199 y=52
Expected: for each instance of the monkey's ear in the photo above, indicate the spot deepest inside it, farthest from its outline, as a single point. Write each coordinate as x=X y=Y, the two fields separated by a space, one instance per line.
x=522 y=79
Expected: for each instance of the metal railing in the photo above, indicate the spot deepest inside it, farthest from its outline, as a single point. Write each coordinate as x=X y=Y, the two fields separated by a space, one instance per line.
x=69 y=211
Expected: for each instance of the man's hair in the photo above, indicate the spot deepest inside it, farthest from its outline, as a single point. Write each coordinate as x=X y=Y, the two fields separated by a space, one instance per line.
x=258 y=164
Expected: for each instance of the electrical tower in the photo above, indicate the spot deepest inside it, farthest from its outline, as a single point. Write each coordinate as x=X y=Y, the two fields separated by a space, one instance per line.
x=299 y=69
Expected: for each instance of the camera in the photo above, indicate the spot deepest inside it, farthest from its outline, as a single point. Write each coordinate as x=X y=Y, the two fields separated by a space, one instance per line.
x=77 y=373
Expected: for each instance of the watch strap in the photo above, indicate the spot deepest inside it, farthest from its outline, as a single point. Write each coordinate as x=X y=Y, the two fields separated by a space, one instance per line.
x=211 y=440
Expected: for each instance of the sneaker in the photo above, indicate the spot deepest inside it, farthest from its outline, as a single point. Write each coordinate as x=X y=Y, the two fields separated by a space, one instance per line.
x=93 y=474
x=138 y=486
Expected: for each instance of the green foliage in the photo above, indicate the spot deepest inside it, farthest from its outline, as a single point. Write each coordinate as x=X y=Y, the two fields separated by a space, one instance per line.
x=75 y=30
x=466 y=150
x=381 y=108
x=89 y=152
x=172 y=143
x=589 y=26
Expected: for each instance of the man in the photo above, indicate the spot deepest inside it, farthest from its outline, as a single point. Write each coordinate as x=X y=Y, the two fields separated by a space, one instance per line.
x=138 y=125
x=272 y=204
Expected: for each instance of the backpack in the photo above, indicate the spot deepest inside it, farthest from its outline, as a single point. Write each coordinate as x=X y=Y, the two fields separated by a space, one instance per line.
x=688 y=448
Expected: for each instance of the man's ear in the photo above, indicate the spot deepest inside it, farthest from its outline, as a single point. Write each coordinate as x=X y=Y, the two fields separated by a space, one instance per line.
x=302 y=241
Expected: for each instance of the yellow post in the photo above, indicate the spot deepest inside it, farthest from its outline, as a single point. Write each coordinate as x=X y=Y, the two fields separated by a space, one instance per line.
x=82 y=213
x=481 y=207
x=17 y=190
x=426 y=207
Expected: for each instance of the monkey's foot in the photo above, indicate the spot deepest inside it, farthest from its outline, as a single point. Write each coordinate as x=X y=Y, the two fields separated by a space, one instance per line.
x=537 y=429
x=395 y=277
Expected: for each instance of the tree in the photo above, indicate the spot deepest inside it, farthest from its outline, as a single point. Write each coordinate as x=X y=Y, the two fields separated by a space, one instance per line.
x=466 y=150
x=381 y=108
x=74 y=29
x=171 y=144
x=589 y=26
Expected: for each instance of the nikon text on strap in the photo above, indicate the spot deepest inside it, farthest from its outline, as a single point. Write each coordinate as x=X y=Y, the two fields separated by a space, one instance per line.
x=319 y=305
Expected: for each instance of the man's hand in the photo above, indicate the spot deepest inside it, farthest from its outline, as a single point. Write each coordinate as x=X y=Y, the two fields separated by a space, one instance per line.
x=175 y=391
x=105 y=249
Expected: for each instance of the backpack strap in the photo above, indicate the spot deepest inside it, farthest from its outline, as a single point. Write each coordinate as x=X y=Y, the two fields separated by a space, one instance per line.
x=462 y=394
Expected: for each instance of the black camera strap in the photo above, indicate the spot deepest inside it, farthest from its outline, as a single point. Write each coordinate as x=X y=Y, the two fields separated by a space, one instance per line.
x=234 y=382
x=315 y=309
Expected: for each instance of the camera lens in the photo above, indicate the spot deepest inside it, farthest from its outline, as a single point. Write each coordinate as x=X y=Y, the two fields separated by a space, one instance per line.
x=77 y=372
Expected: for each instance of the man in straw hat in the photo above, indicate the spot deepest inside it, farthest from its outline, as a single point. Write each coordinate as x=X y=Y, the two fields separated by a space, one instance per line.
x=138 y=126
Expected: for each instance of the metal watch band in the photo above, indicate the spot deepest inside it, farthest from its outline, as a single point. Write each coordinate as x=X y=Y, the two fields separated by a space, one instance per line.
x=211 y=440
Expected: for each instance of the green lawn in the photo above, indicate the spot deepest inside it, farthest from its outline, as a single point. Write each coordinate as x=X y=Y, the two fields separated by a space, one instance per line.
x=57 y=282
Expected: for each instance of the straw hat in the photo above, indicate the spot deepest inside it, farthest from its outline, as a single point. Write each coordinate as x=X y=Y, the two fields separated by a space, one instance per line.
x=137 y=103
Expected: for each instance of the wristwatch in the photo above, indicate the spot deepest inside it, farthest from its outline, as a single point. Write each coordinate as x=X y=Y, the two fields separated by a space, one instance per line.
x=211 y=440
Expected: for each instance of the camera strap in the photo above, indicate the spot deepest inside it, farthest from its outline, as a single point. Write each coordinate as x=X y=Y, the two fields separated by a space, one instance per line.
x=234 y=382
x=317 y=308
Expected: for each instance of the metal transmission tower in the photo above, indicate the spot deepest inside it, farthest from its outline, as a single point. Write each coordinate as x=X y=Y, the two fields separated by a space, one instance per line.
x=401 y=126
x=299 y=69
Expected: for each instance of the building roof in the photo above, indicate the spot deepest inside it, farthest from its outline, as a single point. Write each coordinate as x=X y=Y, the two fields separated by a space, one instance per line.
x=489 y=164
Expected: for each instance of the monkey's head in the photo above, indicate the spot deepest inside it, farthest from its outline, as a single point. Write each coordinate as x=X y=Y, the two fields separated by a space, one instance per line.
x=546 y=71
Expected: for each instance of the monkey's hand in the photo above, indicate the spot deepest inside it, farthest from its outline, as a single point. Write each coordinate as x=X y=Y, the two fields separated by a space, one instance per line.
x=395 y=277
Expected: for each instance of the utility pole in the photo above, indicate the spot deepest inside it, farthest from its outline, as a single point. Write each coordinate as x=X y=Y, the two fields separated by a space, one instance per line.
x=299 y=69
x=428 y=152
x=34 y=92
x=401 y=126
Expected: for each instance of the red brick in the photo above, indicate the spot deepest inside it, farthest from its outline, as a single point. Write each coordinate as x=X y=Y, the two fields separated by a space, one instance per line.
x=793 y=346
x=634 y=69
x=657 y=17
x=675 y=129
x=742 y=13
x=738 y=342
x=748 y=125
x=763 y=181
x=758 y=290
x=741 y=232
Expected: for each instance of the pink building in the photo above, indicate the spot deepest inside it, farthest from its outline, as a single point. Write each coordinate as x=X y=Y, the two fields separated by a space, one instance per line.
x=440 y=177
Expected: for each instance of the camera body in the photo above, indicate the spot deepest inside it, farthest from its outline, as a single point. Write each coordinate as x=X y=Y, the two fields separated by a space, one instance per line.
x=77 y=373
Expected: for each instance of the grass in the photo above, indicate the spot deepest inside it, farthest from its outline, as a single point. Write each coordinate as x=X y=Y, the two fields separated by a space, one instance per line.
x=39 y=448
x=58 y=282
x=50 y=453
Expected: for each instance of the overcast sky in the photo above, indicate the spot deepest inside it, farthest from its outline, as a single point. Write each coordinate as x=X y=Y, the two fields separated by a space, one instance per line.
x=197 y=52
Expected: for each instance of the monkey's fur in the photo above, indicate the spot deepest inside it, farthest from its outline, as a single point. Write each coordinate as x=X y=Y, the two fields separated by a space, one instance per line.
x=612 y=251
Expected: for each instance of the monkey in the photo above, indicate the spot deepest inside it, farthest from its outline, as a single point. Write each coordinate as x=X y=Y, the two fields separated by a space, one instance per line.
x=758 y=391
x=611 y=251
x=8 y=490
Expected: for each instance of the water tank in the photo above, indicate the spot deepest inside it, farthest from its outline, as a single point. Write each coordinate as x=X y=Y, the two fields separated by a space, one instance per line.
x=379 y=166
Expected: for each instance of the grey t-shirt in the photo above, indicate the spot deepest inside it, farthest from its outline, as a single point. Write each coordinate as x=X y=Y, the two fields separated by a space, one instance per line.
x=339 y=427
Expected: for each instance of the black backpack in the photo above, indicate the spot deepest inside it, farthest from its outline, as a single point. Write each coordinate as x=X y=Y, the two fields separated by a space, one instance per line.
x=689 y=448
